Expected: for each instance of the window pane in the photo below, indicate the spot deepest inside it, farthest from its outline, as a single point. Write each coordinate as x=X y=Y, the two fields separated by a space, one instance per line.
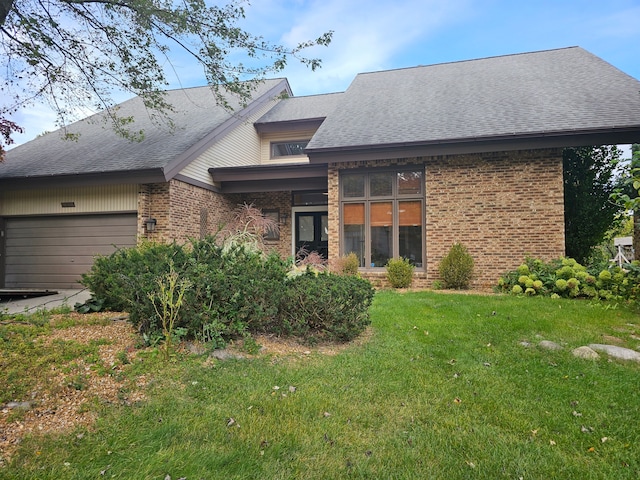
x=381 y=184
x=410 y=244
x=353 y=186
x=310 y=198
x=354 y=241
x=381 y=222
x=273 y=230
x=410 y=231
x=353 y=214
x=409 y=183
x=286 y=149
x=353 y=221
x=410 y=213
x=305 y=228
x=324 y=225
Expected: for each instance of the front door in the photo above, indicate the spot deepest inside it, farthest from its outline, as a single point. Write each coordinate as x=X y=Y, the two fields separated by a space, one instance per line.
x=312 y=232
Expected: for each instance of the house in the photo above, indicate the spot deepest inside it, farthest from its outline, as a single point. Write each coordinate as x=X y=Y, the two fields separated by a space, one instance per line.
x=403 y=163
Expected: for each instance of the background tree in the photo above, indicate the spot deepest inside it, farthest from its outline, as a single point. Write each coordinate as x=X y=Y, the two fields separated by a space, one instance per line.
x=589 y=180
x=627 y=196
x=75 y=54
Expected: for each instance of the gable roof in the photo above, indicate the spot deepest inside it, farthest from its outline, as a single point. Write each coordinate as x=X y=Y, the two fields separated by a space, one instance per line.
x=566 y=97
x=100 y=153
x=299 y=112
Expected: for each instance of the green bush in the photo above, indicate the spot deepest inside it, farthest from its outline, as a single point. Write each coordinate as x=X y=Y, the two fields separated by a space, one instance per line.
x=349 y=264
x=234 y=290
x=564 y=277
x=456 y=268
x=400 y=272
x=325 y=306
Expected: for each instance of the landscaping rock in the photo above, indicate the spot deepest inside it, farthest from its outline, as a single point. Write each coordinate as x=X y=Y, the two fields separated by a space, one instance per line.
x=615 y=351
x=549 y=345
x=196 y=348
x=22 y=405
x=586 y=353
x=226 y=355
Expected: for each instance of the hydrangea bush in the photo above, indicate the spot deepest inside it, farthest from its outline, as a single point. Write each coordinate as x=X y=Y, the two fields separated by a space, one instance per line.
x=564 y=277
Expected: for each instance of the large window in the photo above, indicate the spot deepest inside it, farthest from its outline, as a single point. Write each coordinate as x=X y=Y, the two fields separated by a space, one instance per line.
x=383 y=216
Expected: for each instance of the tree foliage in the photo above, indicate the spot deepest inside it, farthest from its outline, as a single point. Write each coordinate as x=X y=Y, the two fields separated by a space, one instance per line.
x=589 y=180
x=75 y=54
x=627 y=196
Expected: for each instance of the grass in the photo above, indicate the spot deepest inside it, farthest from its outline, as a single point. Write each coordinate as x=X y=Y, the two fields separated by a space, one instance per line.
x=443 y=389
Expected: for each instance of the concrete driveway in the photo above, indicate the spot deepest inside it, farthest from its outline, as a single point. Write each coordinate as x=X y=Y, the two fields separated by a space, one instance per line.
x=47 y=302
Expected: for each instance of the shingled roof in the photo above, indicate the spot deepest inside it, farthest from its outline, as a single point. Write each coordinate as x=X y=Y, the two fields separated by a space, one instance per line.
x=100 y=152
x=568 y=96
x=300 y=109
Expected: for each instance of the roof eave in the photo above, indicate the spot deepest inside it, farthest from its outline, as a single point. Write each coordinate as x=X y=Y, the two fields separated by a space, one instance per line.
x=289 y=125
x=538 y=140
x=270 y=178
x=155 y=175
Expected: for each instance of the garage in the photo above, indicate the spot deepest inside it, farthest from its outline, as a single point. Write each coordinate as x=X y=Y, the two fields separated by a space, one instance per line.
x=53 y=252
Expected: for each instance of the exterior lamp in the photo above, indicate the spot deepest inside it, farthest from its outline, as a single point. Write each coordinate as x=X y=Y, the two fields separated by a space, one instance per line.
x=150 y=224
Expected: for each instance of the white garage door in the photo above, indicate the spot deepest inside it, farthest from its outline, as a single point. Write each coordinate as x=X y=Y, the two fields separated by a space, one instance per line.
x=53 y=252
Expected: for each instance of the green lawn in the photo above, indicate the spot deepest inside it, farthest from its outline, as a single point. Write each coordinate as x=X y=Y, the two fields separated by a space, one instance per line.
x=444 y=388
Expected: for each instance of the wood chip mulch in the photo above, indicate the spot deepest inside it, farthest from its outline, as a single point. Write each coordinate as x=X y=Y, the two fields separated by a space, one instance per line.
x=58 y=405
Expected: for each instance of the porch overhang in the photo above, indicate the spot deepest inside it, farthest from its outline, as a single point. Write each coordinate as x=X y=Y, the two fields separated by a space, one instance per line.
x=270 y=178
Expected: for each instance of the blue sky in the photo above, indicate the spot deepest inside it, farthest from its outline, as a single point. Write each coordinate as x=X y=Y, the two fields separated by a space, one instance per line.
x=375 y=35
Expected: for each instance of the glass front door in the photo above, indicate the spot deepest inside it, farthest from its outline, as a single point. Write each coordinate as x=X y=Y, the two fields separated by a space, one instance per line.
x=312 y=232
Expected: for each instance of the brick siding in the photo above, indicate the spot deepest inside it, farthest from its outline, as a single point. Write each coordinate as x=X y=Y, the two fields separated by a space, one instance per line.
x=502 y=206
x=184 y=211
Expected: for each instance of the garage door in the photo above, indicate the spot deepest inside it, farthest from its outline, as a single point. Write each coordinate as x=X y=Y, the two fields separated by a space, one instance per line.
x=53 y=252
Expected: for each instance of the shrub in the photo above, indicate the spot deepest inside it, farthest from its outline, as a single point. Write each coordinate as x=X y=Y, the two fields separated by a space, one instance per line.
x=400 y=272
x=325 y=307
x=456 y=269
x=234 y=290
x=564 y=277
x=347 y=264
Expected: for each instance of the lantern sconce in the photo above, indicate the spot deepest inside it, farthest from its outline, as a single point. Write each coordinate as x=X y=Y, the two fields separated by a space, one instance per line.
x=283 y=219
x=150 y=224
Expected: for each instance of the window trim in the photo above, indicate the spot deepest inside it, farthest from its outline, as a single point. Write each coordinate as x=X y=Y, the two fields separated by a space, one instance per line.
x=395 y=197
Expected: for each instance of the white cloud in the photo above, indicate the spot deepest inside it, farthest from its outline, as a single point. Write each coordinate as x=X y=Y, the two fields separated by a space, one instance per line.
x=367 y=36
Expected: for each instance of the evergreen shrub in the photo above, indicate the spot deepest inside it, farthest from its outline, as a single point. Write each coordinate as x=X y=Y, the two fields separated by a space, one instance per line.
x=234 y=289
x=400 y=272
x=456 y=268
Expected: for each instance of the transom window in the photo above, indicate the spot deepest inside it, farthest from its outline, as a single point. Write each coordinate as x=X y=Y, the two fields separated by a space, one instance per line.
x=288 y=149
x=383 y=216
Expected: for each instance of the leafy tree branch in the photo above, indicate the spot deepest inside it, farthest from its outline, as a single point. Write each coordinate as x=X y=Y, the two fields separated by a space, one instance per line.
x=74 y=54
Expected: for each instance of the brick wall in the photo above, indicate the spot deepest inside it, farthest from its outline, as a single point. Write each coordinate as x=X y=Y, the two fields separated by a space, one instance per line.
x=182 y=211
x=270 y=201
x=502 y=206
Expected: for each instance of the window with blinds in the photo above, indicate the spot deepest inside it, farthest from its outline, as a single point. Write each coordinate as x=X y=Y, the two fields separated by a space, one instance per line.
x=382 y=216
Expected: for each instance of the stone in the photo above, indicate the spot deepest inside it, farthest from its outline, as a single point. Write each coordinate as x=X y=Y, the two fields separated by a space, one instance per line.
x=549 y=345
x=586 y=353
x=226 y=355
x=22 y=405
x=196 y=348
x=615 y=351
